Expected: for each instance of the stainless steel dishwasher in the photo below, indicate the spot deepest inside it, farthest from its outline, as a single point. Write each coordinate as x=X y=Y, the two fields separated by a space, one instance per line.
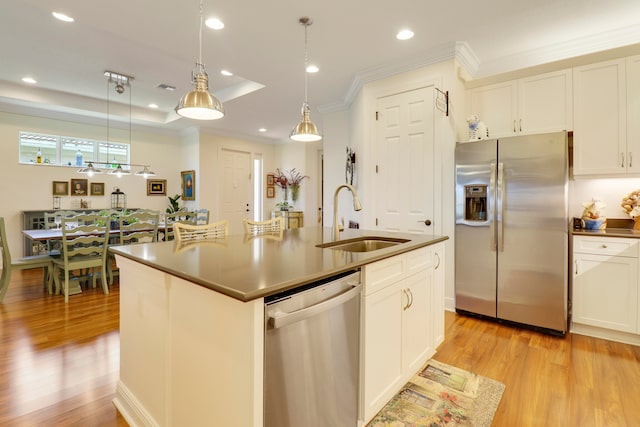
x=311 y=355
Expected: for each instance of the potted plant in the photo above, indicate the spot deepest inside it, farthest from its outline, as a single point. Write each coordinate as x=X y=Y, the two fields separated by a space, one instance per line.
x=173 y=204
x=295 y=178
x=284 y=206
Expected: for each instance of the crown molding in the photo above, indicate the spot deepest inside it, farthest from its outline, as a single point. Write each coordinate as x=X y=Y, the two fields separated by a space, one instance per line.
x=454 y=50
x=601 y=42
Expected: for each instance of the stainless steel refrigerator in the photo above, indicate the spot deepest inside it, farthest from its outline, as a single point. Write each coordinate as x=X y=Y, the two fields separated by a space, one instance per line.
x=512 y=230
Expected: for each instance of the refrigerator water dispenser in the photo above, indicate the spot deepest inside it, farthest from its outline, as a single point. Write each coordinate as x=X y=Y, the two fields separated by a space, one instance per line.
x=475 y=207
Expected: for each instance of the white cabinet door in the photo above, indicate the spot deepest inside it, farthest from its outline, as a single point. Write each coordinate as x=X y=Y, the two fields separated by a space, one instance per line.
x=417 y=330
x=438 y=295
x=497 y=107
x=599 y=122
x=531 y=105
x=633 y=113
x=605 y=291
x=382 y=359
x=545 y=103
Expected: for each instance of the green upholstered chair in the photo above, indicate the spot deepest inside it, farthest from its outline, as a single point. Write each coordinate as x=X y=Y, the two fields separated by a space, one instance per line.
x=8 y=264
x=83 y=247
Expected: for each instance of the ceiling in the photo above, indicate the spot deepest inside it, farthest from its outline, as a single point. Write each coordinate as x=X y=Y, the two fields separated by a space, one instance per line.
x=352 y=41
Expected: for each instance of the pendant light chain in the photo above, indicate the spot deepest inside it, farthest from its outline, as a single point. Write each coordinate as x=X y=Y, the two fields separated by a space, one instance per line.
x=306 y=60
x=200 y=36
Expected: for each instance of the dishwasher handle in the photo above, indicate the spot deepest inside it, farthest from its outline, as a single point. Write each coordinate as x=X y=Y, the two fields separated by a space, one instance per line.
x=280 y=318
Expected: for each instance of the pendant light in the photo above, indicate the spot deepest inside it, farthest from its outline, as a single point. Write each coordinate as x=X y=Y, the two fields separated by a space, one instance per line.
x=306 y=130
x=200 y=104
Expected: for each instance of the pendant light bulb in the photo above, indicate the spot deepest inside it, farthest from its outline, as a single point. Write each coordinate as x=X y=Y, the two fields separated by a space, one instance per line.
x=305 y=130
x=200 y=104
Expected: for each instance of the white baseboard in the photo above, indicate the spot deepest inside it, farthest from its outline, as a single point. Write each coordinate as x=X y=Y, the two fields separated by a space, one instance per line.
x=450 y=304
x=132 y=411
x=607 y=334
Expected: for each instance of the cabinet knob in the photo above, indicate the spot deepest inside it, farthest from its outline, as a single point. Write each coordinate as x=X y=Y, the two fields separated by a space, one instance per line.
x=604 y=246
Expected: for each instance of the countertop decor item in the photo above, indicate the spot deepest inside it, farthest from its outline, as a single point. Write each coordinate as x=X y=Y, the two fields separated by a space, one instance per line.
x=593 y=215
x=631 y=205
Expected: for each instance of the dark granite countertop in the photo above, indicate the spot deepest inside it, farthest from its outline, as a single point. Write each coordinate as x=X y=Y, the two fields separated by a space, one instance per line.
x=248 y=268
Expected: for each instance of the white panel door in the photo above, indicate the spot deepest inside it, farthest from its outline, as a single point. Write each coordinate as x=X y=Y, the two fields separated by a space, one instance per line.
x=236 y=191
x=405 y=165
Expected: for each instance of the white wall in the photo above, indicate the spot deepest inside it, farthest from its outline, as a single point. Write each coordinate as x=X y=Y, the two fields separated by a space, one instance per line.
x=29 y=187
x=610 y=191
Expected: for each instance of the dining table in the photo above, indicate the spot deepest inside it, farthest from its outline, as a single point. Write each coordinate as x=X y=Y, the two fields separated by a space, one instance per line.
x=43 y=235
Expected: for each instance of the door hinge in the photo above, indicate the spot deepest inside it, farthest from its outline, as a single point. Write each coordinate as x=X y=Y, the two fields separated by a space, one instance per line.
x=376 y=168
x=376 y=222
x=376 y=115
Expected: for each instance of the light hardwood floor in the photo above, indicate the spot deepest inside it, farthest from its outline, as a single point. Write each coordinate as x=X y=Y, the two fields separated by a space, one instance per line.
x=59 y=365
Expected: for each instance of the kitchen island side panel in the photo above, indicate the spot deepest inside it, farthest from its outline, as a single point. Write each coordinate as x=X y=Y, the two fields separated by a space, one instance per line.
x=188 y=356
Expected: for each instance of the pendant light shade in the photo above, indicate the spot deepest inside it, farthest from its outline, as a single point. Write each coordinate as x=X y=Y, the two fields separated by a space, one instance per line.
x=200 y=104
x=306 y=130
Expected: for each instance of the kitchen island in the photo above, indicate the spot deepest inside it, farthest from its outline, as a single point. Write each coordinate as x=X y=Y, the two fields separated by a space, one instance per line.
x=192 y=317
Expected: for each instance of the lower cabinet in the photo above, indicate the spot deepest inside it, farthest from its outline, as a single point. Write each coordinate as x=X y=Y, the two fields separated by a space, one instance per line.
x=403 y=321
x=605 y=283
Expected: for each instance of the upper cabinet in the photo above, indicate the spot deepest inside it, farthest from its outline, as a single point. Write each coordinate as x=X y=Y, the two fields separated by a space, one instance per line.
x=600 y=117
x=536 y=104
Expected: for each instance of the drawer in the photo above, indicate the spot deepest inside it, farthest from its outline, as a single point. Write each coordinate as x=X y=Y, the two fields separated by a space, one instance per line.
x=614 y=246
x=381 y=274
x=418 y=259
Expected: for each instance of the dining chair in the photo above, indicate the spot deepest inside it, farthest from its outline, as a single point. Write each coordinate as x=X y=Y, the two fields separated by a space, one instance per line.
x=54 y=220
x=25 y=263
x=83 y=247
x=200 y=217
x=273 y=225
x=172 y=218
x=140 y=226
x=189 y=232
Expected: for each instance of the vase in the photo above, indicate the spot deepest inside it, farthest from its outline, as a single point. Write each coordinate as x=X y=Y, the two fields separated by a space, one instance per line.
x=285 y=191
x=295 y=190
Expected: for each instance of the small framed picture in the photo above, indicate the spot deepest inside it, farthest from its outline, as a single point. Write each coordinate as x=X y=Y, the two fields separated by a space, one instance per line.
x=271 y=193
x=156 y=187
x=97 y=188
x=188 y=180
x=79 y=187
x=270 y=181
x=60 y=188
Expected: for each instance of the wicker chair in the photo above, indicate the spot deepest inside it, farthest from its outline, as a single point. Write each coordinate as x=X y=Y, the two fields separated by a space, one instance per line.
x=189 y=232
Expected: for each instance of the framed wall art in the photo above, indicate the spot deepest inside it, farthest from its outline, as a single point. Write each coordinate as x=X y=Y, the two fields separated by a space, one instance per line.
x=271 y=192
x=79 y=187
x=270 y=182
x=60 y=188
x=188 y=183
x=97 y=188
x=156 y=187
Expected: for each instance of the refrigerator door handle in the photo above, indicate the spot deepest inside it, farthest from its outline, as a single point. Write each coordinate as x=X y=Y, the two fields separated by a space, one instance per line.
x=500 y=207
x=492 y=210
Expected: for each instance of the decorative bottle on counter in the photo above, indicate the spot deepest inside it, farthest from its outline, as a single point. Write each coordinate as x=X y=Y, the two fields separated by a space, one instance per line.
x=78 y=157
x=39 y=156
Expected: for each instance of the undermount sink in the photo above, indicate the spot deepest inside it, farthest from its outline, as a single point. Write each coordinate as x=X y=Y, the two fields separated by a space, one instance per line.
x=363 y=244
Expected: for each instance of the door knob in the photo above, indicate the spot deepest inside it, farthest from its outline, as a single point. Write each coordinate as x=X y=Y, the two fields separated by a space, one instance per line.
x=427 y=222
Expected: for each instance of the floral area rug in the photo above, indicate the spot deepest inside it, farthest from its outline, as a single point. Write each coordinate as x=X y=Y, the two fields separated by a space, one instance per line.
x=442 y=395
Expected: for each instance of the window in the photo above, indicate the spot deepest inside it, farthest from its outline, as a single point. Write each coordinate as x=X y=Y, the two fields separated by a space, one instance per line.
x=70 y=151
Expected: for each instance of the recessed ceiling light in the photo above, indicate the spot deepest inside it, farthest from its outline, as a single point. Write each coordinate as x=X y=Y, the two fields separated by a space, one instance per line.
x=226 y=73
x=153 y=105
x=404 y=35
x=312 y=68
x=262 y=130
x=30 y=80
x=214 y=23
x=62 y=17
